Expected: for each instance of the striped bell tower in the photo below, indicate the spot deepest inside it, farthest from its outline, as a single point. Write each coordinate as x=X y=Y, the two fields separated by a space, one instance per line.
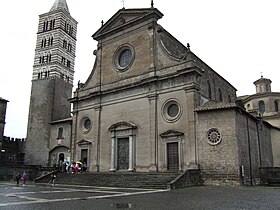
x=52 y=79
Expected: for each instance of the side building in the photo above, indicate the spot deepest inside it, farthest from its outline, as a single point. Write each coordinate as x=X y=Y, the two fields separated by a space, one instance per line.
x=264 y=104
x=3 y=108
x=52 y=82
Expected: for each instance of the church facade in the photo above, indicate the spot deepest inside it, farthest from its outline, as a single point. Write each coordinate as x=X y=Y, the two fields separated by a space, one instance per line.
x=135 y=111
x=149 y=105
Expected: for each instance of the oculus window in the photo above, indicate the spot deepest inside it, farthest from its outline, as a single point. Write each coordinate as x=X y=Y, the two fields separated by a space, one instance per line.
x=171 y=110
x=124 y=57
x=86 y=124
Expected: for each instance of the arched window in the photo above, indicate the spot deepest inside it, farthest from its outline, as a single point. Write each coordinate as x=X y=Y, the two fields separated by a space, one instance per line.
x=53 y=23
x=209 y=89
x=50 y=57
x=261 y=107
x=64 y=44
x=276 y=105
x=45 y=26
x=60 y=133
x=220 y=95
x=229 y=99
x=69 y=47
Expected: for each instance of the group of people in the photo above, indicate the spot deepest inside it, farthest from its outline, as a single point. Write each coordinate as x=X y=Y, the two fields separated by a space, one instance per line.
x=69 y=167
x=22 y=177
x=74 y=167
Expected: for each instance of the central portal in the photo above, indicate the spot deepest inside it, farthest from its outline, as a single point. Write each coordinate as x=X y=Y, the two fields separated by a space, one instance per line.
x=123 y=154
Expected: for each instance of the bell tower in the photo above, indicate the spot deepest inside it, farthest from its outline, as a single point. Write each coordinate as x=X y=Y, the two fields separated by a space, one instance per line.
x=52 y=79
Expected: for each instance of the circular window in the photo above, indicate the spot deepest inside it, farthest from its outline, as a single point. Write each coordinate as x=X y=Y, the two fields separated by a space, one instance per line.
x=171 y=110
x=124 y=57
x=86 y=125
x=214 y=136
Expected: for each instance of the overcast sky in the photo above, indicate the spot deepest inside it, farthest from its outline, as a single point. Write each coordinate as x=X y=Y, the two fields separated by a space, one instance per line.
x=239 y=39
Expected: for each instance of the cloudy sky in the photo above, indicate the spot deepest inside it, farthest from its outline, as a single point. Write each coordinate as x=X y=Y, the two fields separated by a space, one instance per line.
x=239 y=39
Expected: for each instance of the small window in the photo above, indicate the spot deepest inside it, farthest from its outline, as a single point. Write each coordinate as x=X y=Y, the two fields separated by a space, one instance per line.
x=64 y=44
x=261 y=107
x=276 y=105
x=220 y=95
x=267 y=87
x=248 y=107
x=229 y=99
x=63 y=60
x=209 y=89
x=60 y=133
x=53 y=23
x=69 y=47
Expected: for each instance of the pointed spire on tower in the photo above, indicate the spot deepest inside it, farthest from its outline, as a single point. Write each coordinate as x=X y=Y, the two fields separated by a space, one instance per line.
x=152 y=3
x=60 y=5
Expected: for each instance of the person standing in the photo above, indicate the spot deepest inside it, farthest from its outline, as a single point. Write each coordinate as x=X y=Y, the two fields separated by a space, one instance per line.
x=24 y=178
x=18 y=178
x=53 y=178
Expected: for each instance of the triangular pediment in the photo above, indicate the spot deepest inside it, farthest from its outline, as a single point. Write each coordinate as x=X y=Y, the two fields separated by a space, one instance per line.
x=84 y=142
x=171 y=133
x=122 y=126
x=126 y=17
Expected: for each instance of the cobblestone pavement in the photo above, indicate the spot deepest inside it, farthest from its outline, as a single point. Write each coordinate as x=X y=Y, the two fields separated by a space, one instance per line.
x=62 y=197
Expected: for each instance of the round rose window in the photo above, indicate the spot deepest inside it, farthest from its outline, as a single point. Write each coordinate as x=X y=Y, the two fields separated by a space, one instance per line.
x=214 y=136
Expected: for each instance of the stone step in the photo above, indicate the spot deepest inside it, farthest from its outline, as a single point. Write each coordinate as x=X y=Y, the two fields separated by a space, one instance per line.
x=115 y=179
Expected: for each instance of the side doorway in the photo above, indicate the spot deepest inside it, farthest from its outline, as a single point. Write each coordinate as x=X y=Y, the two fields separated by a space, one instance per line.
x=84 y=156
x=172 y=156
x=123 y=154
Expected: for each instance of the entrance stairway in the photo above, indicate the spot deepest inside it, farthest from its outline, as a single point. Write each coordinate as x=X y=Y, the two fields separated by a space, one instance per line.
x=155 y=180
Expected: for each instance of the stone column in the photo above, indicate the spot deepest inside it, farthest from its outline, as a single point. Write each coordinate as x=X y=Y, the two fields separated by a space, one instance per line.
x=113 y=154
x=97 y=136
x=153 y=131
x=131 y=154
x=192 y=101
